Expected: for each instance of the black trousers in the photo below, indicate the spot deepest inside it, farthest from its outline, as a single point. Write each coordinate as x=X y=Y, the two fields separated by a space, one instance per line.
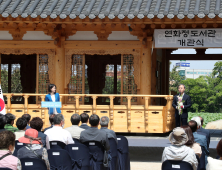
x=178 y=119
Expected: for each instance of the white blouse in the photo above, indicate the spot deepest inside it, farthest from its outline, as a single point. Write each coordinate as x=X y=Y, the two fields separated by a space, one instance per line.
x=54 y=109
x=214 y=164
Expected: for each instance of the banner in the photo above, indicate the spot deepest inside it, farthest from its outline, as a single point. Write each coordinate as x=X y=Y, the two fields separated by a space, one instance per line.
x=2 y=103
x=188 y=38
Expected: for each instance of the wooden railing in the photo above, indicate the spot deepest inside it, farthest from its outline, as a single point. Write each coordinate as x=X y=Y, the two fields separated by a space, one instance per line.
x=147 y=110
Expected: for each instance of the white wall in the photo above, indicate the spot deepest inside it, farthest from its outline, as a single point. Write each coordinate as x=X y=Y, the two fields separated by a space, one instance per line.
x=4 y=35
x=122 y=35
x=36 y=35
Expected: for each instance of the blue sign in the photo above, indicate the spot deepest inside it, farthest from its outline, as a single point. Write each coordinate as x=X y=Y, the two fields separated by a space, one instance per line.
x=51 y=104
x=183 y=64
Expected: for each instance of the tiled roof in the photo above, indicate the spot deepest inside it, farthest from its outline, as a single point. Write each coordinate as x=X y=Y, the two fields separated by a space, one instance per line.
x=111 y=8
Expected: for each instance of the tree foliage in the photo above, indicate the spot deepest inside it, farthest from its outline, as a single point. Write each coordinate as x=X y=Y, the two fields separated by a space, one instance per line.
x=175 y=79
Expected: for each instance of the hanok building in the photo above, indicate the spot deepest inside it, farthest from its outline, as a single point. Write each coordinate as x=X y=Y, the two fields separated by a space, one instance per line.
x=76 y=43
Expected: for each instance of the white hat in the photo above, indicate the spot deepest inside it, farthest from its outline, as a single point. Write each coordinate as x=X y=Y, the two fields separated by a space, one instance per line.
x=178 y=136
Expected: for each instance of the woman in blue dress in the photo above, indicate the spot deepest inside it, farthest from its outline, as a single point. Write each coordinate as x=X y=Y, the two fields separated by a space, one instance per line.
x=53 y=97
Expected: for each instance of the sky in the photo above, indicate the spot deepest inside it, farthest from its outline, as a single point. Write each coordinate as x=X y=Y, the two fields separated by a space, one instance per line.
x=198 y=64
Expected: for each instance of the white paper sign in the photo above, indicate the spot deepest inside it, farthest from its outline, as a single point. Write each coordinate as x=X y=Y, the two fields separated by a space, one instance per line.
x=188 y=38
x=28 y=163
x=54 y=143
x=55 y=153
x=118 y=138
x=19 y=143
x=75 y=148
x=176 y=166
x=91 y=143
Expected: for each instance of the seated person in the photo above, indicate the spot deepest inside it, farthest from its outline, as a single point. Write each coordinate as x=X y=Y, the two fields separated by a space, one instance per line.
x=75 y=130
x=201 y=139
x=7 y=146
x=33 y=148
x=21 y=124
x=57 y=133
x=51 y=117
x=202 y=130
x=10 y=118
x=94 y=134
x=104 y=122
x=28 y=118
x=2 y=122
x=216 y=164
x=84 y=120
x=178 y=150
x=191 y=143
x=199 y=126
x=37 y=123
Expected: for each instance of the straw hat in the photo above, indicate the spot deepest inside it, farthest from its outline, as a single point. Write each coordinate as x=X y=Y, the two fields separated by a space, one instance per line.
x=178 y=136
x=31 y=137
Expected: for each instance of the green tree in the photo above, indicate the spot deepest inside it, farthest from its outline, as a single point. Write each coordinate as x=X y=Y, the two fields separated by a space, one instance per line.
x=197 y=89
x=175 y=79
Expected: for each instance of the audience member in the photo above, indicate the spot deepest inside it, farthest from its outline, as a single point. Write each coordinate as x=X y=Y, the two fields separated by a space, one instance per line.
x=7 y=146
x=57 y=133
x=94 y=134
x=51 y=120
x=104 y=122
x=84 y=120
x=178 y=150
x=216 y=164
x=33 y=148
x=2 y=122
x=201 y=139
x=198 y=120
x=10 y=118
x=28 y=118
x=191 y=143
x=21 y=124
x=37 y=123
x=75 y=130
x=205 y=131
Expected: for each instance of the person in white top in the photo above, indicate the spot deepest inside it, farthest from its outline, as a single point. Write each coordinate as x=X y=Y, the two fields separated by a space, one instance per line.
x=216 y=164
x=179 y=151
x=21 y=124
x=75 y=130
x=57 y=133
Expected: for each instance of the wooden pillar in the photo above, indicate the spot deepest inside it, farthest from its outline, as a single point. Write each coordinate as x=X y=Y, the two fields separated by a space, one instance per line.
x=145 y=69
x=59 y=63
x=167 y=74
x=154 y=76
x=163 y=76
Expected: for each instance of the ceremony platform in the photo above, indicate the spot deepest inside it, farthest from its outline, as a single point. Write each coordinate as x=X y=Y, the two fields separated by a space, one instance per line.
x=126 y=117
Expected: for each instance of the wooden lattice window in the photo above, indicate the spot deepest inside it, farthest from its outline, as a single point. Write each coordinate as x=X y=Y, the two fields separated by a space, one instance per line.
x=129 y=86
x=75 y=85
x=43 y=74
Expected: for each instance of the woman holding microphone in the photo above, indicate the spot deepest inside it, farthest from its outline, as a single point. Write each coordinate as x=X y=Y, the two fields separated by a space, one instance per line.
x=53 y=97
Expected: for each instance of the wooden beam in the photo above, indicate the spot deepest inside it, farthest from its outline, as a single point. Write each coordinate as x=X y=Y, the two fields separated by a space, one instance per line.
x=27 y=44
x=195 y=57
x=102 y=44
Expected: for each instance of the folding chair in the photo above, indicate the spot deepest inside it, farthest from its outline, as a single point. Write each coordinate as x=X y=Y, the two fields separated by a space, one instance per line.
x=76 y=141
x=59 y=159
x=18 y=145
x=176 y=165
x=33 y=164
x=57 y=145
x=123 y=153
x=80 y=156
x=96 y=151
x=113 y=152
